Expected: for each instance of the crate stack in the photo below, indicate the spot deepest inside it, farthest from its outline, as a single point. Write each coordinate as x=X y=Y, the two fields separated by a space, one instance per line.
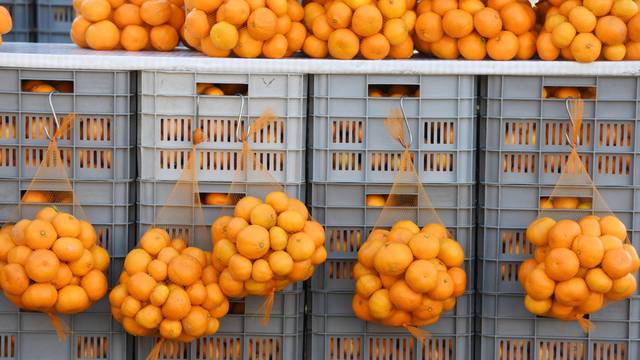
x=54 y=18
x=98 y=152
x=523 y=148
x=352 y=158
x=170 y=109
x=23 y=17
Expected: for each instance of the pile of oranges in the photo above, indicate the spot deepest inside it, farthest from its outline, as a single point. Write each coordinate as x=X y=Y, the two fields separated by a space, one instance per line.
x=5 y=22
x=130 y=25
x=589 y=30
x=577 y=266
x=408 y=276
x=52 y=263
x=246 y=28
x=568 y=202
x=374 y=29
x=501 y=29
x=266 y=245
x=169 y=289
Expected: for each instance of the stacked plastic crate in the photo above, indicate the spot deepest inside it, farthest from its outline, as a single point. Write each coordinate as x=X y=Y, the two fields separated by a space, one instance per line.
x=170 y=110
x=353 y=162
x=524 y=144
x=22 y=13
x=98 y=152
x=54 y=18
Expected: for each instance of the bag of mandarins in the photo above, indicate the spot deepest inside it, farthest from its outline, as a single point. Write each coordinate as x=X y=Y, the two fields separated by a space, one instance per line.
x=409 y=271
x=580 y=262
x=269 y=241
x=167 y=288
x=52 y=262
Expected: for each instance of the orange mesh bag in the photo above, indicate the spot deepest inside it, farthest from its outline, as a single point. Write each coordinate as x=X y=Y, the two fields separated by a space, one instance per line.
x=409 y=270
x=581 y=262
x=269 y=241
x=167 y=288
x=52 y=263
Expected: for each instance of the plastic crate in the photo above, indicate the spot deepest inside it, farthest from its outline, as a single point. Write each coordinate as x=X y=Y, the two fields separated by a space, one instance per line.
x=169 y=104
x=22 y=15
x=153 y=196
x=242 y=336
x=523 y=148
x=524 y=136
x=94 y=334
x=350 y=144
x=54 y=20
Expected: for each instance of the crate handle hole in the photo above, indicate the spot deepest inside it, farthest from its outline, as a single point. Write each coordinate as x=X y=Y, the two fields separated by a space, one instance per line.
x=218 y=89
x=220 y=199
x=46 y=86
x=393 y=90
x=566 y=203
x=565 y=92
x=45 y=196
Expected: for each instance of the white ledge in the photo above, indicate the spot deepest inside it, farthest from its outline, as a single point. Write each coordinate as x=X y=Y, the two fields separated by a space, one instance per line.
x=68 y=56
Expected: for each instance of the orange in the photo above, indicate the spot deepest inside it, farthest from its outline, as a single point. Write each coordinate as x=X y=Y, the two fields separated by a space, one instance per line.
x=368 y=251
x=457 y=23
x=229 y=285
x=159 y=295
x=472 y=47
x=538 y=285
x=140 y=286
x=367 y=285
x=388 y=280
x=622 y=288
x=315 y=231
x=538 y=231
x=393 y=259
x=157 y=269
x=196 y=321
x=503 y=47
x=403 y=50
x=611 y=30
x=429 y=27
x=6 y=244
x=409 y=19
x=403 y=224
x=586 y=47
x=68 y=248
x=164 y=38
x=223 y=251
x=343 y=44
x=117 y=295
x=298 y=206
x=261 y=25
x=196 y=23
x=5 y=20
x=301 y=271
x=78 y=28
x=451 y=253
x=18 y=254
x=264 y=215
x=395 y=31
x=380 y=306
x=134 y=38
x=177 y=305
x=360 y=270
x=300 y=246
x=610 y=242
x=95 y=10
x=614 y=52
x=526 y=267
x=155 y=12
x=428 y=308
x=617 y=263
x=545 y=203
x=424 y=246
x=295 y=11
x=403 y=297
x=102 y=35
x=571 y=292
x=87 y=234
x=360 y=308
x=459 y=278
x=582 y=19
x=234 y=227
x=39 y=296
x=177 y=17
x=283 y=25
x=421 y=276
x=206 y=6
x=311 y=11
x=397 y=318
x=42 y=265
x=40 y=234
x=170 y=329
x=132 y=327
x=392 y=8
x=275 y=48
x=633 y=28
x=17 y=232
x=487 y=22
x=624 y=9
x=214 y=298
x=278 y=200
x=562 y=233
x=537 y=307
x=236 y=12
x=184 y=270
x=589 y=250
x=261 y=271
x=209 y=275
x=611 y=225
x=552 y=21
x=589 y=225
x=568 y=5
x=315 y=47
x=593 y=303
x=515 y=18
x=240 y=267
x=291 y=221
x=444 y=287
x=278 y=238
x=561 y=37
x=196 y=253
x=13 y=279
x=634 y=256
x=149 y=317
x=472 y=6
x=253 y=242
x=136 y=261
x=561 y=264
x=153 y=242
x=598 y=7
x=83 y=265
x=598 y=281
x=339 y=15
x=130 y=306
x=219 y=227
x=281 y=263
x=440 y=7
x=63 y=277
x=94 y=284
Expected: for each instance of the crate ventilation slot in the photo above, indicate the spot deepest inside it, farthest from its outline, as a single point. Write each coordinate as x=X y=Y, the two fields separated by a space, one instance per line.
x=176 y=129
x=173 y=350
x=178 y=233
x=345 y=348
x=615 y=134
x=8 y=157
x=347 y=131
x=94 y=159
x=439 y=133
x=62 y=14
x=8 y=129
x=438 y=349
x=519 y=163
x=264 y=348
x=92 y=347
x=554 y=163
x=344 y=240
x=438 y=162
x=218 y=348
x=556 y=133
x=340 y=270
x=520 y=132
x=514 y=349
x=561 y=350
x=387 y=161
x=95 y=129
x=104 y=238
x=7 y=346
x=608 y=351
x=508 y=272
x=514 y=243
x=392 y=348
x=34 y=156
x=346 y=161
x=619 y=165
x=34 y=128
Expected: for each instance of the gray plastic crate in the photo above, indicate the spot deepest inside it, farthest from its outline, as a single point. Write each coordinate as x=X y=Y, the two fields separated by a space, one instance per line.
x=168 y=107
x=22 y=14
x=350 y=144
x=54 y=20
x=523 y=134
x=94 y=334
x=242 y=336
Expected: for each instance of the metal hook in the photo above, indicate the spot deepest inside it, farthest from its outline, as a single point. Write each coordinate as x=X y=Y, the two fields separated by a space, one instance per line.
x=573 y=124
x=53 y=112
x=240 y=119
x=406 y=121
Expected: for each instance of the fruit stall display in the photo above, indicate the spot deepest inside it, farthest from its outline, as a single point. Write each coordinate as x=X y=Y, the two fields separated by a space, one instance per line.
x=525 y=142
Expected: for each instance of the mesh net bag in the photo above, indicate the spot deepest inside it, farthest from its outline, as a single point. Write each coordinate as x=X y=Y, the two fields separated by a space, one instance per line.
x=583 y=258
x=409 y=270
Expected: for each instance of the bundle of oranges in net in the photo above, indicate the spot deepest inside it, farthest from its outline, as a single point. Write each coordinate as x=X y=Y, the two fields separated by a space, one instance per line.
x=266 y=245
x=374 y=29
x=168 y=289
x=577 y=266
x=408 y=276
x=130 y=25
x=5 y=22
x=590 y=30
x=246 y=28
x=52 y=263
x=473 y=29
